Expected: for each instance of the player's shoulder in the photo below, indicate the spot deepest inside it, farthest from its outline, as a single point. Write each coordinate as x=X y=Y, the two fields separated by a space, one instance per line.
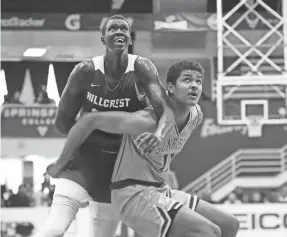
x=145 y=68
x=79 y=75
x=143 y=61
x=199 y=114
x=85 y=66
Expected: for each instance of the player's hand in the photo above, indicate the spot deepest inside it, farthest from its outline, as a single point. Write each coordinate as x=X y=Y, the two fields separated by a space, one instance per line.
x=54 y=170
x=147 y=141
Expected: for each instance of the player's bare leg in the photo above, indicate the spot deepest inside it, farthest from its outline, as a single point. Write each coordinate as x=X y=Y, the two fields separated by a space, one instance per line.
x=188 y=223
x=105 y=222
x=228 y=224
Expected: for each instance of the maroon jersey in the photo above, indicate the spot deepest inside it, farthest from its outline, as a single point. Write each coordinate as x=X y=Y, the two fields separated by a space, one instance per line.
x=93 y=163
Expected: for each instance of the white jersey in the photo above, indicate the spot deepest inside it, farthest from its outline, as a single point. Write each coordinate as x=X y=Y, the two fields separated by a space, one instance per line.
x=133 y=168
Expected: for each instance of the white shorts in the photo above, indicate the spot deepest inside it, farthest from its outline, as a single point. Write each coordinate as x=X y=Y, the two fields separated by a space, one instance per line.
x=150 y=210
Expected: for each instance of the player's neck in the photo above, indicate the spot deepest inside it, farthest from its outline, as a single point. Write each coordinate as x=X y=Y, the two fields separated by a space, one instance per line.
x=181 y=111
x=115 y=61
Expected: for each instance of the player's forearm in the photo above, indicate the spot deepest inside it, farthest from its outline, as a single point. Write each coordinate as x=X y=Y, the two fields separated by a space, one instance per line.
x=111 y=122
x=163 y=109
x=117 y=122
x=149 y=79
x=76 y=136
x=166 y=122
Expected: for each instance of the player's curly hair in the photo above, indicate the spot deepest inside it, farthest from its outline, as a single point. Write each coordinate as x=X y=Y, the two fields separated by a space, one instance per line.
x=176 y=69
x=121 y=17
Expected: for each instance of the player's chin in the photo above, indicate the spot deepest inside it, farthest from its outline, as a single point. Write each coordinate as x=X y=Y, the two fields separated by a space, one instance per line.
x=119 y=50
x=120 y=47
x=191 y=101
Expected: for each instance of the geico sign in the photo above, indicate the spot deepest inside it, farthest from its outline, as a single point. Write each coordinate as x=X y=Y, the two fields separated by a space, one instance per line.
x=264 y=221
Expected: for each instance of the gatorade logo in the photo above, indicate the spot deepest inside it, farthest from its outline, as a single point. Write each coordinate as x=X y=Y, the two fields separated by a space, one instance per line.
x=117 y=4
x=73 y=22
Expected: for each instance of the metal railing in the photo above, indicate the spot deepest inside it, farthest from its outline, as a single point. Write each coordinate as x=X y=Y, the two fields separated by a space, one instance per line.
x=247 y=162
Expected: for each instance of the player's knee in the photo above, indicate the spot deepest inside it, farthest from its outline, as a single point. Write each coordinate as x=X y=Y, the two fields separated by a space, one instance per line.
x=204 y=230
x=210 y=230
x=232 y=226
x=56 y=231
x=213 y=230
x=216 y=231
x=51 y=232
x=229 y=225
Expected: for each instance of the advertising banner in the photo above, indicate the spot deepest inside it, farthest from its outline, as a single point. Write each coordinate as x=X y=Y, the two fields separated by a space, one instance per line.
x=35 y=121
x=185 y=22
x=204 y=21
x=262 y=220
x=168 y=22
x=68 y=22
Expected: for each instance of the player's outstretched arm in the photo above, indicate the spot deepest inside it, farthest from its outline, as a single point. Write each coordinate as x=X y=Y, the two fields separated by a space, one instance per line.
x=149 y=79
x=111 y=122
x=72 y=96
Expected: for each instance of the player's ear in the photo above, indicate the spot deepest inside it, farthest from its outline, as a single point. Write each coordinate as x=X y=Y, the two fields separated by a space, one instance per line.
x=170 y=88
x=131 y=40
x=103 y=40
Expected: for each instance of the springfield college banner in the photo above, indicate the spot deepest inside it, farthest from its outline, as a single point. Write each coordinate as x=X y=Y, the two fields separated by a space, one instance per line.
x=28 y=121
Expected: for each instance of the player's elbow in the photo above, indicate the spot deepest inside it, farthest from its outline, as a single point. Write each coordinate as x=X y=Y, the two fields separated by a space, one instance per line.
x=60 y=128
x=62 y=125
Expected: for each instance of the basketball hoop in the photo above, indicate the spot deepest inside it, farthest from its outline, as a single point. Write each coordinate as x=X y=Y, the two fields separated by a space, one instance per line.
x=254 y=124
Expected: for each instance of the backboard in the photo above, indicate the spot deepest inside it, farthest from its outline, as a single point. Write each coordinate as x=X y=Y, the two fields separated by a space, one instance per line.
x=252 y=101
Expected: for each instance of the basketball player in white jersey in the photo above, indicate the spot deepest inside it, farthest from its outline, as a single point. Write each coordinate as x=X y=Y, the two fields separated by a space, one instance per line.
x=116 y=81
x=139 y=195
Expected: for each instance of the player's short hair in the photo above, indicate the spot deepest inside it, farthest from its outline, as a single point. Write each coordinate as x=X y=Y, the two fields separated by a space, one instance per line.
x=176 y=69
x=121 y=17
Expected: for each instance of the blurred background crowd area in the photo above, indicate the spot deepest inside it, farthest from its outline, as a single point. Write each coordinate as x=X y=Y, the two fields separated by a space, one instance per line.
x=25 y=195
x=42 y=97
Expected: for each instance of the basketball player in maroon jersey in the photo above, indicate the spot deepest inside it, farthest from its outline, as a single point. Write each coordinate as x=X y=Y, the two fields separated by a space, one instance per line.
x=139 y=193
x=116 y=81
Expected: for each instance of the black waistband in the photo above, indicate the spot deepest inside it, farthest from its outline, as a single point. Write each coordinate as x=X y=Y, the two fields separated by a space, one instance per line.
x=129 y=182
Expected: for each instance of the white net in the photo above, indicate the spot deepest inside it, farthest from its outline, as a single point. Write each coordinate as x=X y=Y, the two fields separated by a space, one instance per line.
x=254 y=124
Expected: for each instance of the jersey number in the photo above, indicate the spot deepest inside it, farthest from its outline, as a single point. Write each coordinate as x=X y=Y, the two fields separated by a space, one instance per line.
x=167 y=158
